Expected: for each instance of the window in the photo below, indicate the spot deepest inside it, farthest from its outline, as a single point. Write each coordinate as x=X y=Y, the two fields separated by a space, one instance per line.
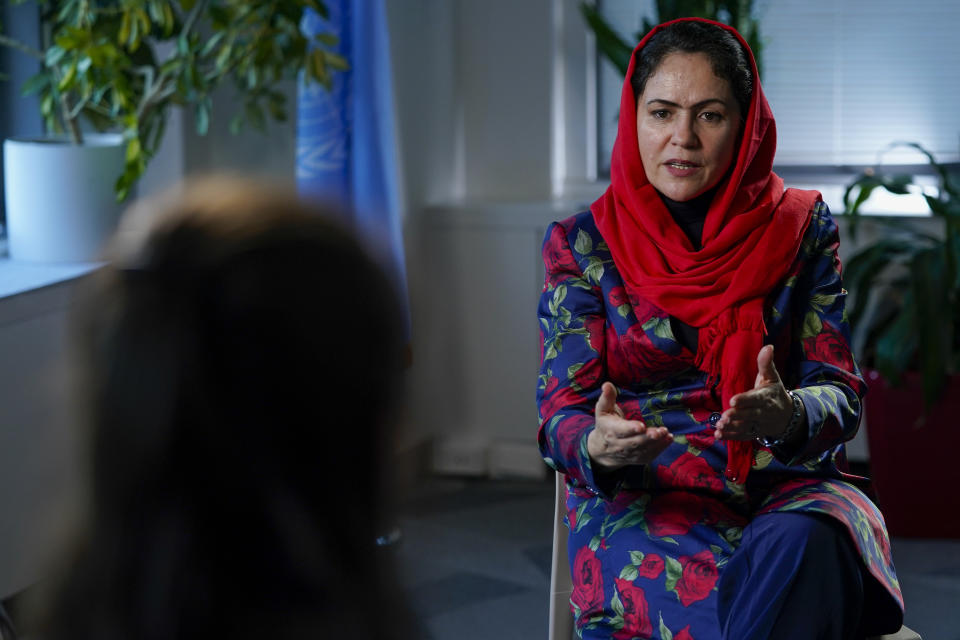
x=18 y=115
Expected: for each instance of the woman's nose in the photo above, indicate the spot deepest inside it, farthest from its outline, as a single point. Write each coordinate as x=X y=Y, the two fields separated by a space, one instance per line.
x=684 y=134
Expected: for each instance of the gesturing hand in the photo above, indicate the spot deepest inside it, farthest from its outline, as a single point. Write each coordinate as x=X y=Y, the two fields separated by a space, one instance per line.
x=764 y=411
x=617 y=442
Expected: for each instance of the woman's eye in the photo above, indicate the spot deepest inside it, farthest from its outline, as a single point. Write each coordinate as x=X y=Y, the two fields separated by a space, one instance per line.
x=660 y=114
x=711 y=116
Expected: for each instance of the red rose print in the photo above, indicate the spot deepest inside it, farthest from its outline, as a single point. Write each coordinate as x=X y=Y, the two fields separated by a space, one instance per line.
x=698 y=578
x=595 y=326
x=636 y=617
x=673 y=513
x=642 y=308
x=690 y=471
x=554 y=399
x=683 y=634
x=830 y=347
x=551 y=386
x=715 y=512
x=557 y=257
x=651 y=567
x=588 y=376
x=618 y=297
x=587 y=580
x=569 y=433
x=638 y=358
x=702 y=440
x=623 y=499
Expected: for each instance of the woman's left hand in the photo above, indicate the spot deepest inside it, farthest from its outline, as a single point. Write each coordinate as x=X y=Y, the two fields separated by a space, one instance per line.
x=764 y=411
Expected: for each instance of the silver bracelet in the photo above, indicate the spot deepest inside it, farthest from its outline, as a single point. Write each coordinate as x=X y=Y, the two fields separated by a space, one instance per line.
x=792 y=426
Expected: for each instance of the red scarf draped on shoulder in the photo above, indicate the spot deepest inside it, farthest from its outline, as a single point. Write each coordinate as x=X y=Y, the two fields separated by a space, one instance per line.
x=751 y=236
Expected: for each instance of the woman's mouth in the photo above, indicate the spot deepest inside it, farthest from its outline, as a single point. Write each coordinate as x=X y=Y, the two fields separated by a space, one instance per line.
x=681 y=168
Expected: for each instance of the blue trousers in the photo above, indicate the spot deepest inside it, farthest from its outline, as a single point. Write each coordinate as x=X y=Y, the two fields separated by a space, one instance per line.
x=797 y=576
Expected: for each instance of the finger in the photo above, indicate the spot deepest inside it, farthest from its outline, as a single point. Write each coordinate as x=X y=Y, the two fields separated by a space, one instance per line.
x=608 y=399
x=736 y=430
x=750 y=399
x=767 y=370
x=650 y=436
x=613 y=426
x=644 y=448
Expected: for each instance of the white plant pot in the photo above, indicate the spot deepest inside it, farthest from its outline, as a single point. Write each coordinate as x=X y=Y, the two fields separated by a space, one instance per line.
x=60 y=198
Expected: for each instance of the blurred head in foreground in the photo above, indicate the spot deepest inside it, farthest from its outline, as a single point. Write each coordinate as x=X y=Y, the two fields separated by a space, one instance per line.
x=240 y=362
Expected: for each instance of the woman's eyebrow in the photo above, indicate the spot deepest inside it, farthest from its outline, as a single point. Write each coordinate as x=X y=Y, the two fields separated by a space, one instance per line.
x=674 y=104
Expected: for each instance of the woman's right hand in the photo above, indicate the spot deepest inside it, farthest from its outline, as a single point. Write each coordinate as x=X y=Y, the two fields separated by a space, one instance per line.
x=617 y=442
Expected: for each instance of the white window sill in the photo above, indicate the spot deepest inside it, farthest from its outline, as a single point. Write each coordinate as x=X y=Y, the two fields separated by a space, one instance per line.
x=18 y=277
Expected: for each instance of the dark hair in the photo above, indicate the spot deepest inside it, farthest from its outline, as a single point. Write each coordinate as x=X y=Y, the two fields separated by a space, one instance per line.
x=726 y=54
x=241 y=362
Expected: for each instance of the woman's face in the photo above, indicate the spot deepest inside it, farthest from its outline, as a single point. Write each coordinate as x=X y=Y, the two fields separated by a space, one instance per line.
x=688 y=123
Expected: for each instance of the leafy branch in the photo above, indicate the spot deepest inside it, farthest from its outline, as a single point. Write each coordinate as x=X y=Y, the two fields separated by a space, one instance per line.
x=121 y=65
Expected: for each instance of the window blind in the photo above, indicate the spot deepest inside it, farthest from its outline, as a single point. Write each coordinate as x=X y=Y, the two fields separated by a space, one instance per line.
x=844 y=78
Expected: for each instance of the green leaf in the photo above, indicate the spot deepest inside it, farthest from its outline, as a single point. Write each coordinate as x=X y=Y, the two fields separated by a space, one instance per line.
x=934 y=341
x=236 y=124
x=624 y=310
x=762 y=459
x=583 y=244
x=674 y=572
x=327 y=38
x=53 y=55
x=665 y=633
x=812 y=325
x=337 y=62
x=615 y=603
x=662 y=329
x=133 y=150
x=594 y=543
x=594 y=270
x=201 y=114
x=636 y=557
x=35 y=83
x=629 y=573
x=896 y=344
x=212 y=43
x=254 y=115
x=608 y=41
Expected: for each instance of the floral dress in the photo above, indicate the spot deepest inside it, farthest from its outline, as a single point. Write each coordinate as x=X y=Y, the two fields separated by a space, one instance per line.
x=649 y=542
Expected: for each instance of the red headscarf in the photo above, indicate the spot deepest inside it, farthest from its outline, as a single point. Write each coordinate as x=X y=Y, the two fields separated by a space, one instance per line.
x=751 y=235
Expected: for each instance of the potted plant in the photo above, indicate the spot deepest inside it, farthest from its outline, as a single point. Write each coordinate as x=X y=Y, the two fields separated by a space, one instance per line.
x=120 y=66
x=906 y=310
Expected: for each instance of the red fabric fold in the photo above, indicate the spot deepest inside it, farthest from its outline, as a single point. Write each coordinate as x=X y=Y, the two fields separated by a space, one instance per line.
x=751 y=235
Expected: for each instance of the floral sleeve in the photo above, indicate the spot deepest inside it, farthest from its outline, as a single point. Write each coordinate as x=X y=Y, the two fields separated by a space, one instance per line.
x=824 y=375
x=572 y=323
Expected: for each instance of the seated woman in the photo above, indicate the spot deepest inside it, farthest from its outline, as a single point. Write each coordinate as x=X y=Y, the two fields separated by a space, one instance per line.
x=240 y=360
x=697 y=382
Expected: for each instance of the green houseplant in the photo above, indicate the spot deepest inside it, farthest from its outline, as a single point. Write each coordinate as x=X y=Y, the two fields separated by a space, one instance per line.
x=736 y=13
x=906 y=310
x=121 y=65
x=916 y=323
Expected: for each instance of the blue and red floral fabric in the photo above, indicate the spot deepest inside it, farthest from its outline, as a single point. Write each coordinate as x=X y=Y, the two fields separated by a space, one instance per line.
x=647 y=544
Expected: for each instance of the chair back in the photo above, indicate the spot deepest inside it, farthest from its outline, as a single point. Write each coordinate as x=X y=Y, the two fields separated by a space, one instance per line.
x=561 y=586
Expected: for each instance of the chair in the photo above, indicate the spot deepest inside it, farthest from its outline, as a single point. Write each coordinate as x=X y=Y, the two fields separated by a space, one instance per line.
x=561 y=586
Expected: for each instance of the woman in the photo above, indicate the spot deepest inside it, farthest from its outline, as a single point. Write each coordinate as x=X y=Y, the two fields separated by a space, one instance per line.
x=238 y=432
x=697 y=383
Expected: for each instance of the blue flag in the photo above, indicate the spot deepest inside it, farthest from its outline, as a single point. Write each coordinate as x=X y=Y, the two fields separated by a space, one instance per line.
x=346 y=140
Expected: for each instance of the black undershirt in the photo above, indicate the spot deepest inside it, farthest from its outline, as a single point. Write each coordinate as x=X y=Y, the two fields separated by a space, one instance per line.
x=689 y=216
